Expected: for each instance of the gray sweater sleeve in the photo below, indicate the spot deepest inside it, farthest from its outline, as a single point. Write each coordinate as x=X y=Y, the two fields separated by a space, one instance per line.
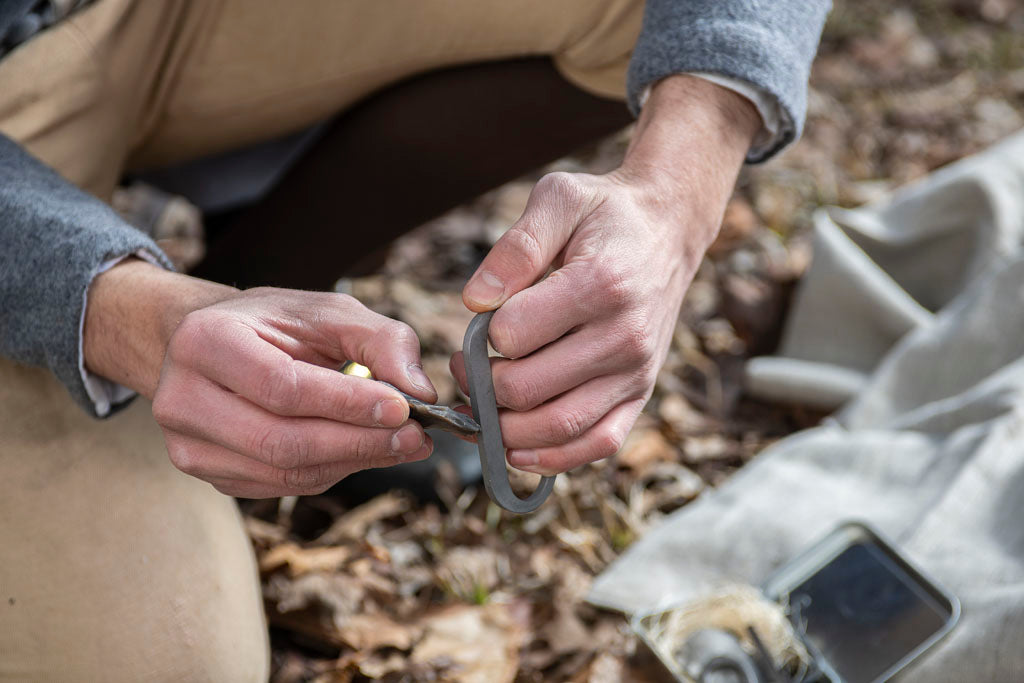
x=769 y=43
x=53 y=238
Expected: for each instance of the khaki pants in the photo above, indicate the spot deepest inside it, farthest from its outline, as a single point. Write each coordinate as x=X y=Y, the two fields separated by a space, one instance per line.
x=113 y=565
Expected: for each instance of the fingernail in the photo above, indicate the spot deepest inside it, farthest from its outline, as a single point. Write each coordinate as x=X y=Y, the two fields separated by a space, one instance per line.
x=419 y=378
x=523 y=458
x=485 y=289
x=425 y=450
x=408 y=439
x=389 y=413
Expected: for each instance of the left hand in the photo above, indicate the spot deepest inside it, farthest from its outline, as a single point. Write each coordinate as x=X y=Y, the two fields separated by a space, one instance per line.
x=582 y=347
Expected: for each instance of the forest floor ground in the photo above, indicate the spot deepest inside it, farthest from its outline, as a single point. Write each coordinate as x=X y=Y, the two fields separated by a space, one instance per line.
x=447 y=586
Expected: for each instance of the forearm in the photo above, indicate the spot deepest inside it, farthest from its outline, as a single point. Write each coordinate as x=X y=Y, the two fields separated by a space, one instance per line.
x=133 y=310
x=690 y=142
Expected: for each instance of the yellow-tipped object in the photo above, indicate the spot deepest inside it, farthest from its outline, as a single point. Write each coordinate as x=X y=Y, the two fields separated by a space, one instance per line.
x=356 y=370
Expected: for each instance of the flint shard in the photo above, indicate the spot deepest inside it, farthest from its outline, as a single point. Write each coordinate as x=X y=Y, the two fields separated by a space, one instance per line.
x=429 y=415
x=433 y=416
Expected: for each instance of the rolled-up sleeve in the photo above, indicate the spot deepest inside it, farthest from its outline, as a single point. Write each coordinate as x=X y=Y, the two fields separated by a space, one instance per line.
x=769 y=44
x=54 y=239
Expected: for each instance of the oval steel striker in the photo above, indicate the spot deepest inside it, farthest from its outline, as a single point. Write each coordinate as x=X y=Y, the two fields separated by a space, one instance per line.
x=485 y=410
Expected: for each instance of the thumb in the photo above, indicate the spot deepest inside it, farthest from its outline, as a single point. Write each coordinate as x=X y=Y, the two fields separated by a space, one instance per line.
x=523 y=254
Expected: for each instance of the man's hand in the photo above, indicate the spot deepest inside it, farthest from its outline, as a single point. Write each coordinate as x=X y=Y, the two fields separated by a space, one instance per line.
x=244 y=384
x=583 y=345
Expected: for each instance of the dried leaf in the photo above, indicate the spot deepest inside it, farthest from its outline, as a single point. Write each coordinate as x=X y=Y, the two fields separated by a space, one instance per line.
x=469 y=573
x=604 y=668
x=301 y=560
x=354 y=524
x=367 y=632
x=334 y=594
x=566 y=633
x=475 y=644
x=738 y=224
x=333 y=677
x=642 y=449
x=264 y=533
x=708 y=447
x=719 y=337
x=369 y=571
x=681 y=417
x=669 y=486
x=376 y=665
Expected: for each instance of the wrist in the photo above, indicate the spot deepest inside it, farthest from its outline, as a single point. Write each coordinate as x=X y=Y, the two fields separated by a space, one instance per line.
x=132 y=311
x=690 y=142
x=684 y=117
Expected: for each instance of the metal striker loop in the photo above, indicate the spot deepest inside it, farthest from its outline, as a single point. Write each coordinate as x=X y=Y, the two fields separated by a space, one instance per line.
x=485 y=410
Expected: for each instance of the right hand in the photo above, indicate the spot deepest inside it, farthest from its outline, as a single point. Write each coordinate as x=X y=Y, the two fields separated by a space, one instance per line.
x=248 y=397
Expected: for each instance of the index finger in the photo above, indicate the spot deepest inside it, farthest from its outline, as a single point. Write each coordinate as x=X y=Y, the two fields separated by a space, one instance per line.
x=545 y=311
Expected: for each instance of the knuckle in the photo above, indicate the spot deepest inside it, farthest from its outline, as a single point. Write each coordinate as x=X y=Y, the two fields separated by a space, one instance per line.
x=342 y=300
x=518 y=392
x=400 y=331
x=561 y=183
x=303 y=478
x=289 y=478
x=505 y=340
x=364 y=451
x=281 y=447
x=165 y=409
x=636 y=344
x=395 y=334
x=278 y=389
x=613 y=284
x=565 y=426
x=608 y=443
x=527 y=252
x=342 y=399
x=182 y=458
